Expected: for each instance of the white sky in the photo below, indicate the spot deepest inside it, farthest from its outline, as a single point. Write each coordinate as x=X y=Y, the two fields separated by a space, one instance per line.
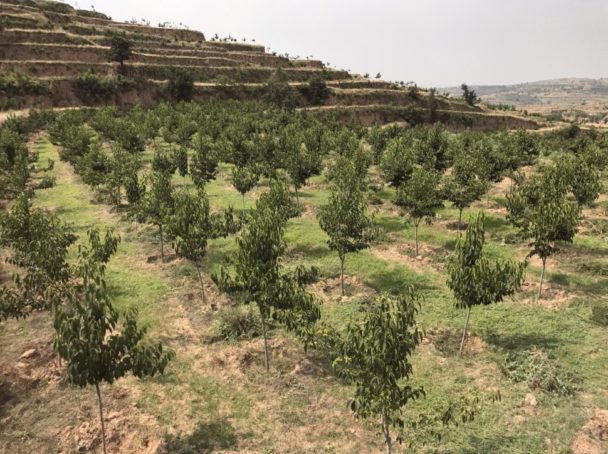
x=432 y=42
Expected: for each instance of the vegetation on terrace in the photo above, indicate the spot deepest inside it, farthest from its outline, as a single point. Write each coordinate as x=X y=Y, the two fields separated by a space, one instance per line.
x=110 y=167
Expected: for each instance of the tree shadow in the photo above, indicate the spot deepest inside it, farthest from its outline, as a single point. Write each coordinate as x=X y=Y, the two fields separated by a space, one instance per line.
x=513 y=342
x=206 y=437
x=6 y=396
x=496 y=444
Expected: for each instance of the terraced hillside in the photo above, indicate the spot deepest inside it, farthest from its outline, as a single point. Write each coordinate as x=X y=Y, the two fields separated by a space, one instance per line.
x=49 y=49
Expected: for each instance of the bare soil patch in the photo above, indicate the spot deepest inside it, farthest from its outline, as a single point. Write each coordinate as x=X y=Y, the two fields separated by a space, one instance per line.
x=593 y=436
x=553 y=296
x=405 y=254
x=329 y=290
x=447 y=341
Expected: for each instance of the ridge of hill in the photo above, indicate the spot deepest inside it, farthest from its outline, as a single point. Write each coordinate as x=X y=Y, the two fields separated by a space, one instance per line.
x=582 y=99
x=46 y=47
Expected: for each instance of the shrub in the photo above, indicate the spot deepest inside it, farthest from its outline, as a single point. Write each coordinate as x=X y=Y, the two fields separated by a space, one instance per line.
x=469 y=96
x=180 y=85
x=235 y=323
x=539 y=370
x=46 y=182
x=15 y=83
x=92 y=87
x=56 y=7
x=316 y=91
x=599 y=314
x=278 y=92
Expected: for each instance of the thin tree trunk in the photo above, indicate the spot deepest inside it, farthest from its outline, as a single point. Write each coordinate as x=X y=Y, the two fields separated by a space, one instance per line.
x=243 y=201
x=266 y=360
x=200 y=278
x=459 y=220
x=162 y=244
x=342 y=274
x=416 y=228
x=542 y=278
x=464 y=331
x=387 y=435
x=103 y=427
x=297 y=196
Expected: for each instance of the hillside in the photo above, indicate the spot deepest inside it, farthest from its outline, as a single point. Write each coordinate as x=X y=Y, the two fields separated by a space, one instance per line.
x=572 y=97
x=49 y=50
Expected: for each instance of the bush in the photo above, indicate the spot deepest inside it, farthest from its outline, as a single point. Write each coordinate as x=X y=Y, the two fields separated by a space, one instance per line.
x=15 y=83
x=46 y=182
x=316 y=91
x=56 y=7
x=180 y=85
x=539 y=370
x=92 y=87
x=599 y=314
x=235 y=323
x=278 y=92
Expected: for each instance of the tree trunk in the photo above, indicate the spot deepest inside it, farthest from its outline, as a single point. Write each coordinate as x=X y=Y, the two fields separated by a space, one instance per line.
x=542 y=278
x=200 y=278
x=266 y=360
x=162 y=243
x=387 y=435
x=464 y=331
x=459 y=220
x=297 y=196
x=103 y=427
x=342 y=274
x=243 y=201
x=416 y=229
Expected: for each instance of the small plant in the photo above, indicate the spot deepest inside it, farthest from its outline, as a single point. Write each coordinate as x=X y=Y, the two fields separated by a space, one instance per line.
x=539 y=370
x=236 y=323
x=599 y=314
x=47 y=181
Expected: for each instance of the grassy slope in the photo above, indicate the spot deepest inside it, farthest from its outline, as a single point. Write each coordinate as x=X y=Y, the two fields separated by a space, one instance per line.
x=216 y=396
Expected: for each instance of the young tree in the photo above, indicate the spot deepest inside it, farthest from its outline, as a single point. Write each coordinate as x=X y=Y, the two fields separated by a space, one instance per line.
x=190 y=227
x=469 y=95
x=476 y=280
x=301 y=164
x=398 y=161
x=39 y=243
x=466 y=183
x=344 y=218
x=157 y=204
x=259 y=276
x=97 y=342
x=375 y=356
x=203 y=167
x=120 y=50
x=244 y=180
x=181 y=159
x=94 y=166
x=538 y=206
x=420 y=197
x=583 y=178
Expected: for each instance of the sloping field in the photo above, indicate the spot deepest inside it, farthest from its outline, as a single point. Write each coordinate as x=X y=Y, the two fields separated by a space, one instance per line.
x=42 y=40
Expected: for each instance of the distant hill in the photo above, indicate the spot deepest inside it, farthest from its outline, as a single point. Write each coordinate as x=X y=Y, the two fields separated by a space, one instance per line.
x=52 y=55
x=569 y=95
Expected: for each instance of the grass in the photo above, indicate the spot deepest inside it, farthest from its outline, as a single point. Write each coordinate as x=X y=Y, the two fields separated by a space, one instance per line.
x=217 y=397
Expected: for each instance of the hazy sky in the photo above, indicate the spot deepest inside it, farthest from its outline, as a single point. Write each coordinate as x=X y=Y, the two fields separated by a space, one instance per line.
x=431 y=42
